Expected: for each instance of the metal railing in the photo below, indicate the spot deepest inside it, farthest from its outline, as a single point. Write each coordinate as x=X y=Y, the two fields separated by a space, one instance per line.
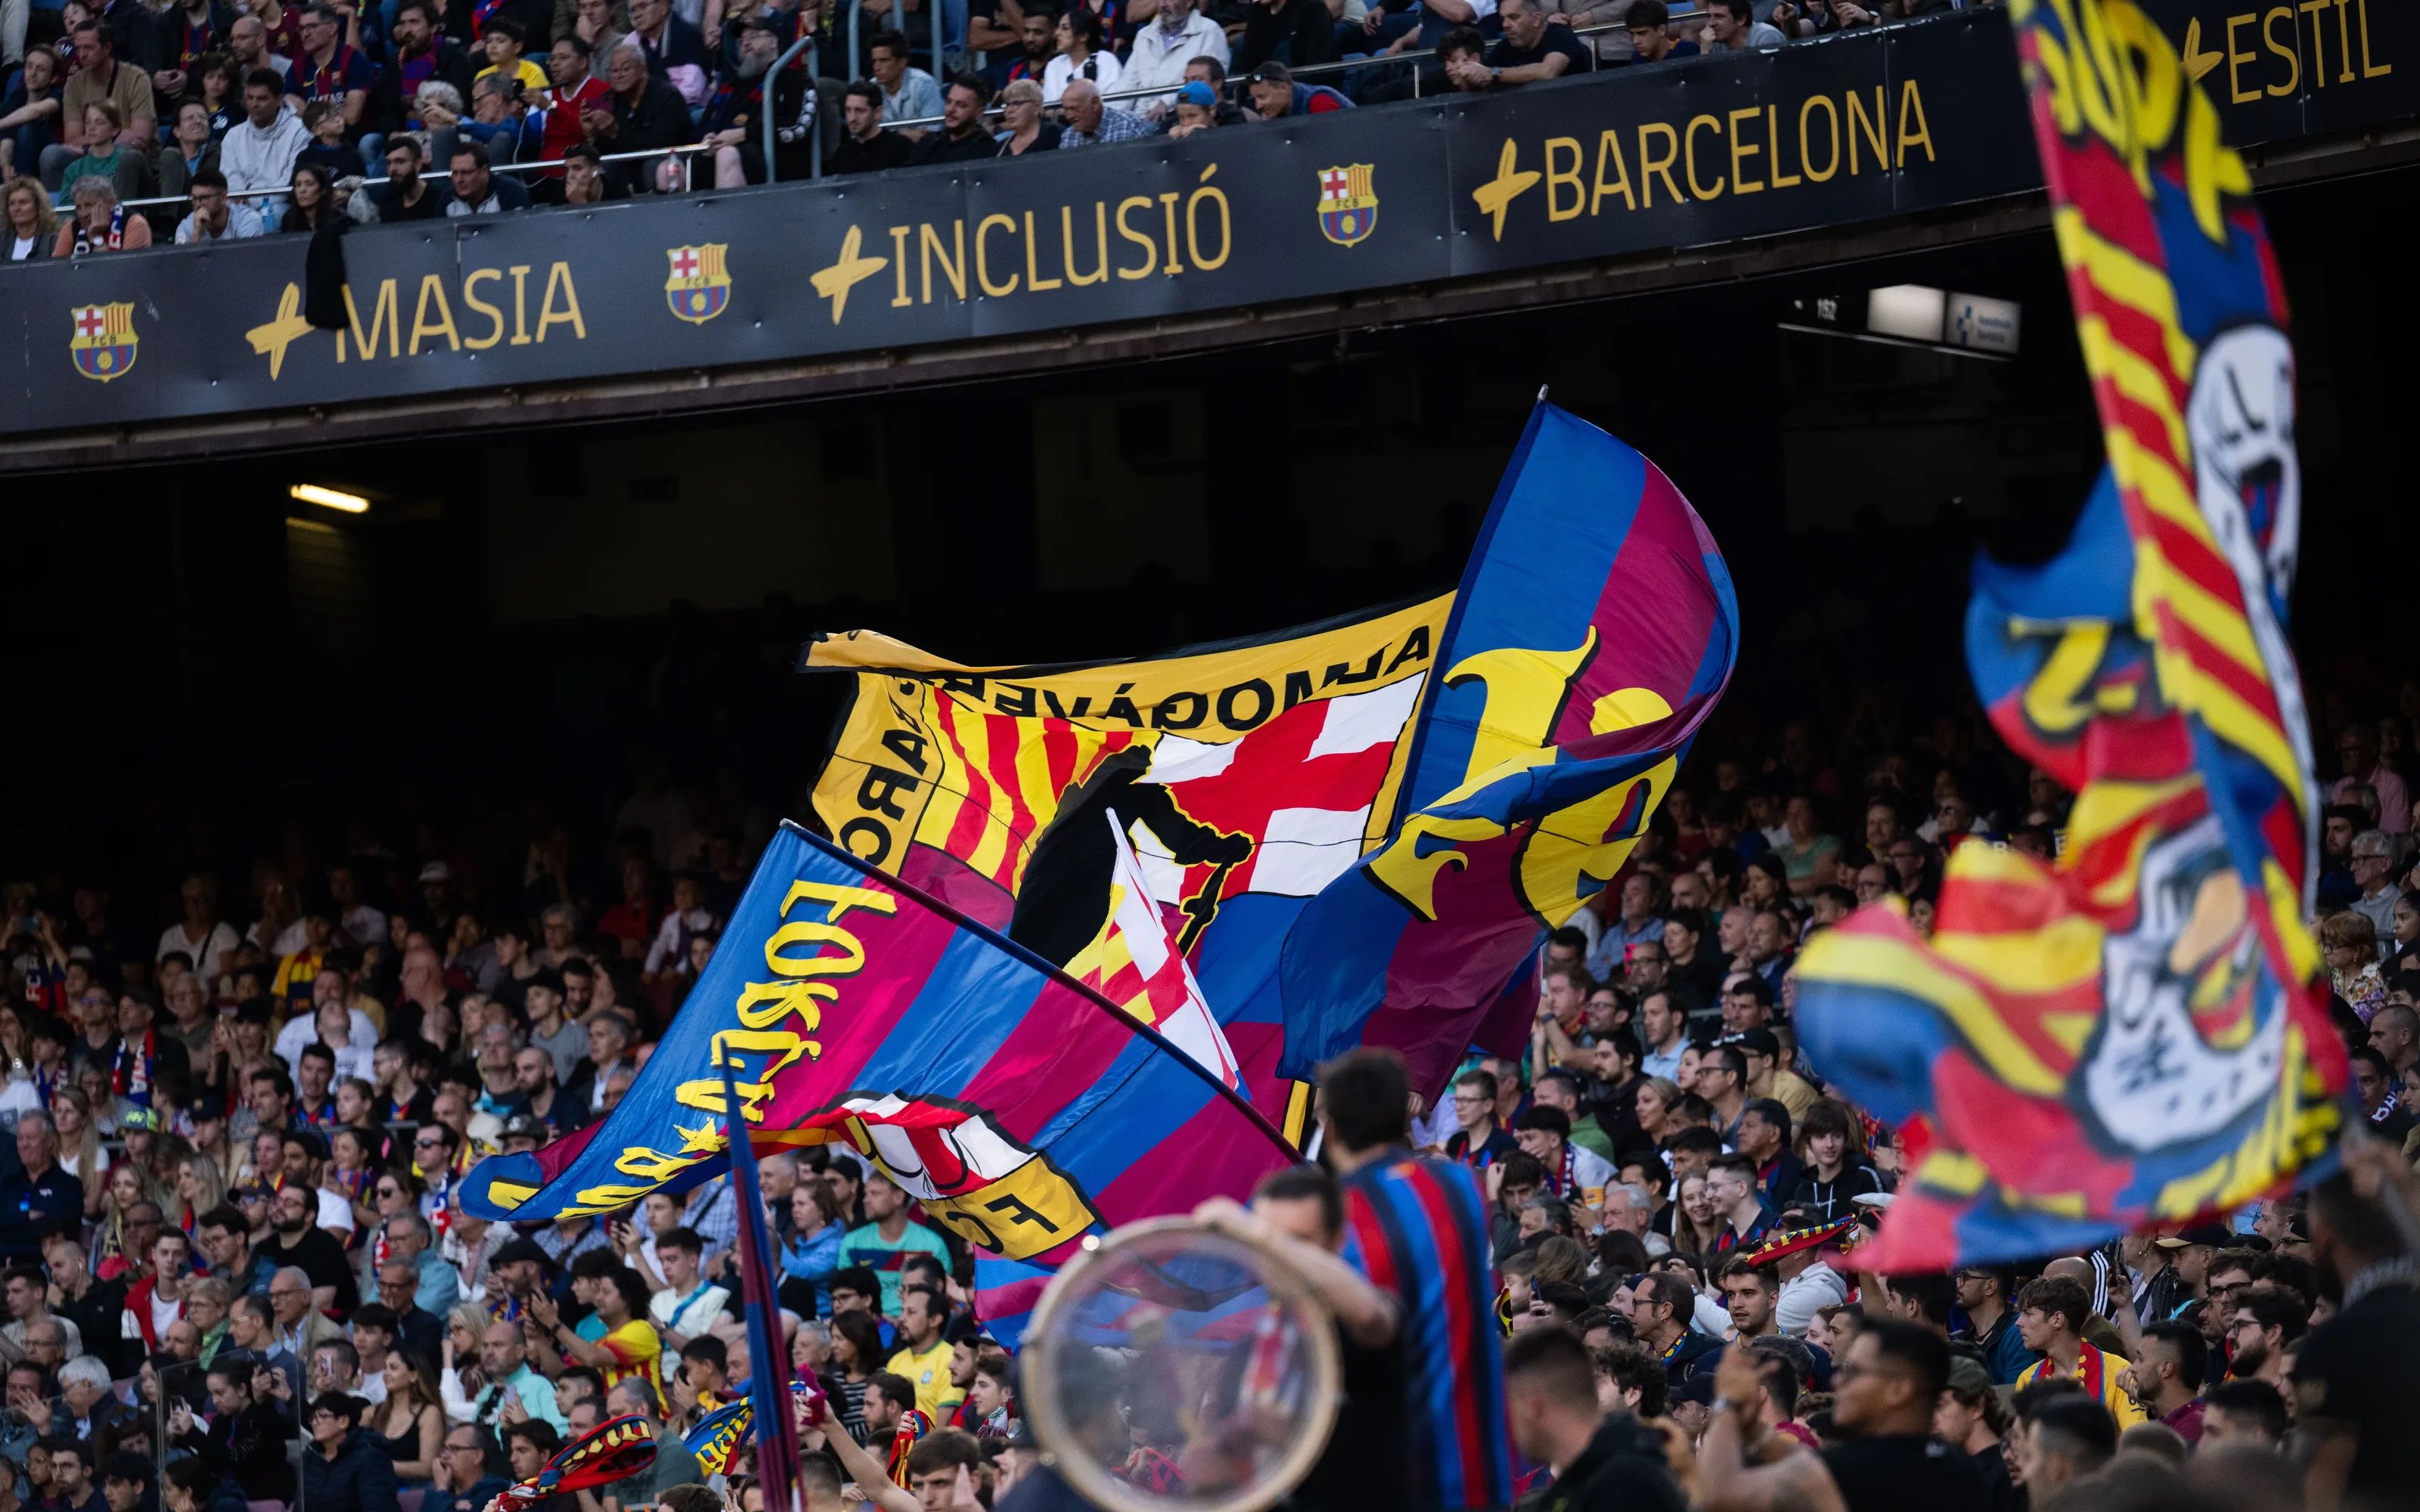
x=685 y=151
x=688 y=152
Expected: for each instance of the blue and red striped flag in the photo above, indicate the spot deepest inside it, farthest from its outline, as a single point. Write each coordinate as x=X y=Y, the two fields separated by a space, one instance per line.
x=1595 y=631
x=768 y=1364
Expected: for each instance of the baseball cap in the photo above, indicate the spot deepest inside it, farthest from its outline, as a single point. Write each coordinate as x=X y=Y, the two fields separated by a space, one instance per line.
x=436 y=872
x=1271 y=73
x=526 y=1125
x=1756 y=1041
x=1196 y=93
x=1967 y=1375
x=2216 y=1236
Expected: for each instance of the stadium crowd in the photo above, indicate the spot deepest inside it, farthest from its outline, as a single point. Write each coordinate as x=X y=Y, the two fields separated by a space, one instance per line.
x=265 y=117
x=234 y=1271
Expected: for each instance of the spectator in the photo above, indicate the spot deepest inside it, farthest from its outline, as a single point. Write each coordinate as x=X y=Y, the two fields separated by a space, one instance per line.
x=188 y=1485
x=1535 y=47
x=109 y=160
x=29 y=113
x=1089 y=122
x=1038 y=42
x=908 y=94
x=72 y=1489
x=1820 y=17
x=39 y=1199
x=461 y=1481
x=1302 y=33
x=505 y=43
x=1462 y=54
x=1179 y=34
x=1276 y=95
x=597 y=25
x=324 y=120
x=1196 y=110
x=962 y=136
x=250 y=48
x=330 y=68
x=258 y=154
x=674 y=49
x=1021 y=114
x=191 y=150
x=345 y=1469
x=502 y=122
x=572 y=93
x=647 y=115
x=33 y=225
x=1732 y=27
x=2357 y=755
x=733 y=125
x=477 y=191
x=421 y=53
x=100 y=77
x=312 y=199
x=865 y=146
x=408 y=195
x=1081 y=56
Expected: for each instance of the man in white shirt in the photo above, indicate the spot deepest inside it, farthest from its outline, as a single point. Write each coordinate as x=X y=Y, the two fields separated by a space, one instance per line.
x=688 y=1304
x=1161 y=49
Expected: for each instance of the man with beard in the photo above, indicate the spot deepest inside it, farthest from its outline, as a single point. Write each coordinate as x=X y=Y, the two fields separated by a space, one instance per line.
x=1886 y=1457
x=733 y=121
x=297 y=1239
x=2262 y=1320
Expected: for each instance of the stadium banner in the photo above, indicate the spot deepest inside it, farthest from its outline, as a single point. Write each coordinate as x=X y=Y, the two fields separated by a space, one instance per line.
x=1919 y=117
x=1595 y=631
x=2138 y=1034
x=1020 y=1109
x=1245 y=777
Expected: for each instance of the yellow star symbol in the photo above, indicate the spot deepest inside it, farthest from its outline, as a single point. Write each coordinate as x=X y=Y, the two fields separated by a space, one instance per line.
x=1497 y=195
x=2198 y=63
x=835 y=283
x=704 y=1141
x=272 y=339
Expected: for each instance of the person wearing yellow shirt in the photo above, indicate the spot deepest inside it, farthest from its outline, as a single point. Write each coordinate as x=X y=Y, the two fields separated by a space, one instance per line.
x=2051 y=1315
x=924 y=1357
x=629 y=1350
x=504 y=38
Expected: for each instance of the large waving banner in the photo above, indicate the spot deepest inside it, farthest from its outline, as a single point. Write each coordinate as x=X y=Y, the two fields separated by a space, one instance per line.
x=2139 y=1034
x=1244 y=776
x=1021 y=1110
x=1595 y=631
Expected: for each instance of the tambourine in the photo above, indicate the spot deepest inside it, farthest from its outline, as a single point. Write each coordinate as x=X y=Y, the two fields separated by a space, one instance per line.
x=1170 y=1367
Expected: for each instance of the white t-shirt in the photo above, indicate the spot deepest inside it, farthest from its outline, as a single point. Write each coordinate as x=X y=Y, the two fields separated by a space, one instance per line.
x=303 y=1030
x=207 y=957
x=22 y=248
x=691 y=1313
x=1103 y=69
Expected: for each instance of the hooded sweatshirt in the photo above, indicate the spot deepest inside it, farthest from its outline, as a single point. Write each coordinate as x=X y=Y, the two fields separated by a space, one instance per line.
x=255 y=158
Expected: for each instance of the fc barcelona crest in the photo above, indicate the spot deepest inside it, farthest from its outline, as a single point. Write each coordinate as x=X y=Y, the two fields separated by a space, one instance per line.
x=699 y=286
x=1348 y=207
x=103 y=343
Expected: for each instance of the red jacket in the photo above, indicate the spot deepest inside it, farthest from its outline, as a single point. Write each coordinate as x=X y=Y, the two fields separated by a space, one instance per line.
x=138 y=1306
x=564 y=108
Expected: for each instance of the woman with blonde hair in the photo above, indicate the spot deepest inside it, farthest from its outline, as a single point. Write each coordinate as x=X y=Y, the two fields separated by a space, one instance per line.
x=460 y=1380
x=33 y=225
x=1020 y=116
x=1656 y=1103
x=129 y=1187
x=1696 y=1226
x=199 y=1188
x=81 y=1154
x=2349 y=941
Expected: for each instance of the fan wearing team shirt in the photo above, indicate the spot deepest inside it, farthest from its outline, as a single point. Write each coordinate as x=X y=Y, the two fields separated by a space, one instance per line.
x=883 y=1244
x=1477 y=1140
x=630 y=1348
x=1578 y=1176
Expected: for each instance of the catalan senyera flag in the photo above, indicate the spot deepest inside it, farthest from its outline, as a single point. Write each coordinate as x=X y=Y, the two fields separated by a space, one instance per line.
x=1019 y=1109
x=2139 y=1034
x=1134 y=962
x=1595 y=631
x=1245 y=776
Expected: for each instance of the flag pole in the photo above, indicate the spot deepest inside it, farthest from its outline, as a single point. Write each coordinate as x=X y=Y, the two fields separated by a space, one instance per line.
x=778 y=1458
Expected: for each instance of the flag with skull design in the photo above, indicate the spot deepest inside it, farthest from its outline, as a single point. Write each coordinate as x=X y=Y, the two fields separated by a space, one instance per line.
x=2137 y=1033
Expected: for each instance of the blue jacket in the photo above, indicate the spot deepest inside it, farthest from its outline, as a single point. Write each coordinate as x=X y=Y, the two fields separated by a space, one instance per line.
x=814 y=1258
